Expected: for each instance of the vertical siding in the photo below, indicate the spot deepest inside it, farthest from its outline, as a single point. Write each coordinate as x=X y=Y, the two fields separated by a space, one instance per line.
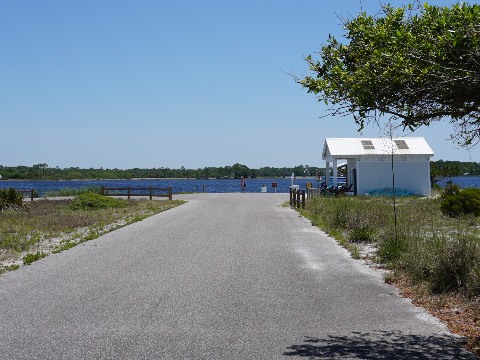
x=409 y=175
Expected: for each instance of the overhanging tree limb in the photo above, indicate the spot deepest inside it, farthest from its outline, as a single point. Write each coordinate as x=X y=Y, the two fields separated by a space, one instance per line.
x=419 y=66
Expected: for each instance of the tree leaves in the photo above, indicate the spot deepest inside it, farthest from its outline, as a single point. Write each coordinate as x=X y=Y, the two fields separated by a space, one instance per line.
x=418 y=65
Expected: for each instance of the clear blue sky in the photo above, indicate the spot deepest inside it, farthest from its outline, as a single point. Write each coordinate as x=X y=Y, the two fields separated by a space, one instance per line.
x=156 y=83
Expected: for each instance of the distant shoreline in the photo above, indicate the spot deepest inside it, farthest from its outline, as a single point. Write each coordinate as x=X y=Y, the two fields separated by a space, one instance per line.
x=190 y=179
x=135 y=179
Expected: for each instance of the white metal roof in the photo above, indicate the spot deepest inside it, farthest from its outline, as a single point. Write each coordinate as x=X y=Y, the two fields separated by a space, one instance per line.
x=351 y=147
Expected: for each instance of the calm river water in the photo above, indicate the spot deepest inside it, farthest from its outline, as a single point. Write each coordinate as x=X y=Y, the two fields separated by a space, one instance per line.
x=181 y=186
x=178 y=185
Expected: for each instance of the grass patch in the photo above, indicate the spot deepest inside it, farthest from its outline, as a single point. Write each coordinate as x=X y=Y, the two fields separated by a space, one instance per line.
x=364 y=233
x=30 y=258
x=93 y=201
x=9 y=268
x=64 y=246
x=12 y=267
x=95 y=234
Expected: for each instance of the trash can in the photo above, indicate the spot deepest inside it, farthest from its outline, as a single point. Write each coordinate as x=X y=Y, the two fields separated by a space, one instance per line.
x=264 y=188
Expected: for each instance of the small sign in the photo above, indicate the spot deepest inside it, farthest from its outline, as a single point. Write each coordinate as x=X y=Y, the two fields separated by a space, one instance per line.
x=274 y=185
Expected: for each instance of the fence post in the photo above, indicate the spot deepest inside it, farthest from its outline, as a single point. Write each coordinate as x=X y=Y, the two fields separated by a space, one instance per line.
x=128 y=193
x=303 y=199
x=31 y=195
x=102 y=190
x=170 y=195
x=291 y=200
x=298 y=199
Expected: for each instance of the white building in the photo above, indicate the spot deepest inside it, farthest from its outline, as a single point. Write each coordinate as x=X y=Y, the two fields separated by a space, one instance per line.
x=369 y=163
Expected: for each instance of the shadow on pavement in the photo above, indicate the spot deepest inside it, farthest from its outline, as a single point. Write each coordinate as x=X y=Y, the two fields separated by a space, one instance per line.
x=381 y=345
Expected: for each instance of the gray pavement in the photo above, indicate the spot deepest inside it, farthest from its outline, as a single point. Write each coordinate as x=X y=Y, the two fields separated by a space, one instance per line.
x=225 y=276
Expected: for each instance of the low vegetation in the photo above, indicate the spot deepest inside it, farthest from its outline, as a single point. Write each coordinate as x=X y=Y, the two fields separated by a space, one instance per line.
x=93 y=201
x=30 y=258
x=457 y=203
x=10 y=199
x=51 y=226
x=425 y=243
x=432 y=244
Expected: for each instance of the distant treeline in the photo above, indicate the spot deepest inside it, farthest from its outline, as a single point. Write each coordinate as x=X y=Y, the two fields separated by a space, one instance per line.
x=44 y=172
x=454 y=168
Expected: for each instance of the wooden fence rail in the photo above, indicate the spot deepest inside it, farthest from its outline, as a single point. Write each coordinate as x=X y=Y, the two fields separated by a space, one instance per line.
x=129 y=191
x=31 y=193
x=297 y=198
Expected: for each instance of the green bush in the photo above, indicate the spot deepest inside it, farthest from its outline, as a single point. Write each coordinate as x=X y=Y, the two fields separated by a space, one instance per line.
x=10 y=199
x=92 y=201
x=466 y=201
x=450 y=189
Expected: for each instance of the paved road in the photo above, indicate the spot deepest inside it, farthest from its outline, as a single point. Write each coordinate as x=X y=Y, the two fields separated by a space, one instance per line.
x=226 y=276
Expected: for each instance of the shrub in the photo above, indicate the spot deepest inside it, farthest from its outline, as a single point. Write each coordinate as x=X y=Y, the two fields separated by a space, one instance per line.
x=91 y=201
x=10 y=199
x=450 y=189
x=466 y=201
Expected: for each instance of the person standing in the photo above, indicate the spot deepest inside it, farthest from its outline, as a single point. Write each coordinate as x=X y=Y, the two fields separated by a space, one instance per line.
x=243 y=183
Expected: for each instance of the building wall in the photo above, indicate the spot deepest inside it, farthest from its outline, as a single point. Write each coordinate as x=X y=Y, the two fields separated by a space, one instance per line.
x=413 y=176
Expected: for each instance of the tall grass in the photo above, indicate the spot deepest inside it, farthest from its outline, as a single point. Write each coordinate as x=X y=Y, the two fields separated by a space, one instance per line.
x=427 y=245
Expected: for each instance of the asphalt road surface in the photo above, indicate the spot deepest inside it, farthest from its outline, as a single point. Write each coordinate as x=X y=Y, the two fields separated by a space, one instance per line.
x=225 y=276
